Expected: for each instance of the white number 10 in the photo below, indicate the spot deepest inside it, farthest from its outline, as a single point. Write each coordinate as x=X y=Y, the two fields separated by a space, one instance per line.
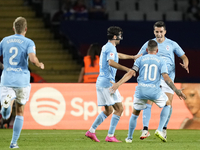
x=148 y=70
x=13 y=56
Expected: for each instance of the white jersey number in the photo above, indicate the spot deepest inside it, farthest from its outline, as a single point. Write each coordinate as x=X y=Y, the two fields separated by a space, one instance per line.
x=148 y=70
x=13 y=56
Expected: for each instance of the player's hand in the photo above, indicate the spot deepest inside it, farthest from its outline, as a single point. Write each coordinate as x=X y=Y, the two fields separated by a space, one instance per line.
x=41 y=65
x=180 y=94
x=114 y=87
x=136 y=57
x=185 y=67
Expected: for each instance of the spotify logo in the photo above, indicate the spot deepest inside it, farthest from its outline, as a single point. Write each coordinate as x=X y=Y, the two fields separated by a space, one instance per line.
x=47 y=106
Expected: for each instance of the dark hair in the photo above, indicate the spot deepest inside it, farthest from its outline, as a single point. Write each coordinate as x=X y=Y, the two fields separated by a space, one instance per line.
x=151 y=45
x=94 y=50
x=113 y=30
x=159 y=24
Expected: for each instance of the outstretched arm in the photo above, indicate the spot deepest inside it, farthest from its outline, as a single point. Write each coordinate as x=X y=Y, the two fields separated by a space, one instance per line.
x=185 y=63
x=125 y=78
x=35 y=60
x=124 y=56
x=172 y=86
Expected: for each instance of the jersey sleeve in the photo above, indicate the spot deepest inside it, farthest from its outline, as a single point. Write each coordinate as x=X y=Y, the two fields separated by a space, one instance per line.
x=163 y=67
x=178 y=50
x=31 y=47
x=143 y=49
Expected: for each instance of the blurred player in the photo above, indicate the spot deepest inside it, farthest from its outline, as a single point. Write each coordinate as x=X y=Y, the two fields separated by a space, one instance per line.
x=15 y=79
x=150 y=68
x=108 y=68
x=166 y=50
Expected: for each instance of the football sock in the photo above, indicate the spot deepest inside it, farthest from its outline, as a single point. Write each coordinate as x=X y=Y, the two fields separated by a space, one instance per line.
x=170 y=113
x=146 y=115
x=113 y=124
x=17 y=127
x=100 y=118
x=163 y=117
x=5 y=112
x=132 y=125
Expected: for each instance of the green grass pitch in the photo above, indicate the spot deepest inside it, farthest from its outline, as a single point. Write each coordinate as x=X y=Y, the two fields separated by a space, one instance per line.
x=76 y=140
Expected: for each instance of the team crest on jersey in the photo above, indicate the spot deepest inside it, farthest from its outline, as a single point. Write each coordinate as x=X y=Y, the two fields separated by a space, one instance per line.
x=167 y=47
x=112 y=55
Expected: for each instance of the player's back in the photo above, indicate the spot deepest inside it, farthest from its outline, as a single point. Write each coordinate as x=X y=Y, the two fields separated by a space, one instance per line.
x=150 y=69
x=15 y=49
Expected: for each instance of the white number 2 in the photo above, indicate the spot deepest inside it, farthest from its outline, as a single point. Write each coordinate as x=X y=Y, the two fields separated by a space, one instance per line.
x=13 y=56
x=148 y=70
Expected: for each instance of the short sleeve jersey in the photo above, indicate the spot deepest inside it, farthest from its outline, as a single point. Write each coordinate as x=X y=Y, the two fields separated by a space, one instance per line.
x=107 y=73
x=15 y=50
x=150 y=69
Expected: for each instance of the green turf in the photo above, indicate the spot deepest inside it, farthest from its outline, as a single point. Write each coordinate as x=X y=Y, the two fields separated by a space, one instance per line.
x=75 y=140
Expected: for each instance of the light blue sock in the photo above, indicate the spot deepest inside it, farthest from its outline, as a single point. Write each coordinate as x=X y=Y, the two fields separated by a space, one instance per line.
x=6 y=112
x=132 y=125
x=146 y=115
x=100 y=118
x=113 y=124
x=17 y=127
x=170 y=113
x=163 y=117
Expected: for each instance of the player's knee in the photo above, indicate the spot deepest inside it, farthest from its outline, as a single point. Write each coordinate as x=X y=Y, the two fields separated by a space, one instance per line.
x=109 y=111
x=119 y=111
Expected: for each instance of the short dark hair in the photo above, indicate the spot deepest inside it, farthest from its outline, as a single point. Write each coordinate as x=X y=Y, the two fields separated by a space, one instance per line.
x=113 y=30
x=151 y=45
x=159 y=24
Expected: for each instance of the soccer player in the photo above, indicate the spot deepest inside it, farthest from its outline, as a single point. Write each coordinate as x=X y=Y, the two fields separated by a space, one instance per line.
x=166 y=50
x=150 y=68
x=108 y=68
x=15 y=79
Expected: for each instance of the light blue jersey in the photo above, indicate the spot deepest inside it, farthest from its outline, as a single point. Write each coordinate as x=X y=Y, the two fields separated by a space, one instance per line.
x=150 y=69
x=15 y=50
x=166 y=50
x=107 y=73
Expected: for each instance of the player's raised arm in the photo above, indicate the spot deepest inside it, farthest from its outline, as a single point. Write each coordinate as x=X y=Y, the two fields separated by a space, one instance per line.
x=173 y=87
x=35 y=60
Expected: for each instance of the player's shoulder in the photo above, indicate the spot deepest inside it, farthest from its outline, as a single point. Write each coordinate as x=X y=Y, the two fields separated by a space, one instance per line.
x=109 y=47
x=170 y=41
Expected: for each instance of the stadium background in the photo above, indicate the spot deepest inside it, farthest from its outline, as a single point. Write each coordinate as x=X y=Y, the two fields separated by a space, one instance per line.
x=62 y=45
